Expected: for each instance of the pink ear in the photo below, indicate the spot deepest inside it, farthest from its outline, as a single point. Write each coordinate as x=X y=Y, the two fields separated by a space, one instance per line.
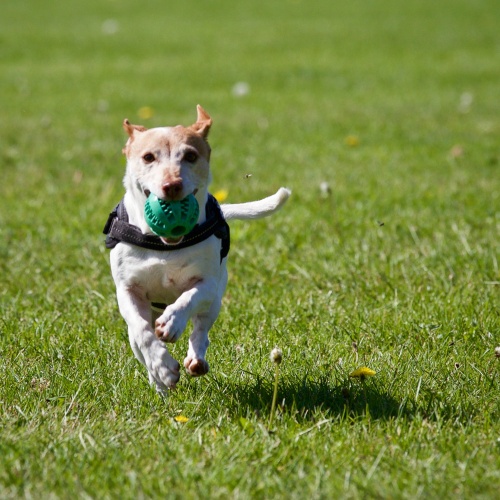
x=130 y=129
x=203 y=122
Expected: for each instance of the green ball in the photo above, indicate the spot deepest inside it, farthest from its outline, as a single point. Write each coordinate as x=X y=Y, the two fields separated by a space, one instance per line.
x=171 y=219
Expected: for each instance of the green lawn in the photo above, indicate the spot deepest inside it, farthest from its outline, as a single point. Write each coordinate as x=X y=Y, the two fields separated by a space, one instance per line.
x=395 y=106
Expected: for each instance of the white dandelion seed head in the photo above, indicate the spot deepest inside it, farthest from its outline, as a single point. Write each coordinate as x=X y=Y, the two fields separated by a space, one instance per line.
x=325 y=189
x=110 y=27
x=240 y=89
x=276 y=355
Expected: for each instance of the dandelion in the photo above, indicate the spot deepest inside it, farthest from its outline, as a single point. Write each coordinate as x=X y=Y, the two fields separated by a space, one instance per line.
x=276 y=357
x=145 y=113
x=110 y=27
x=325 y=189
x=240 y=89
x=221 y=195
x=362 y=373
x=352 y=141
x=181 y=419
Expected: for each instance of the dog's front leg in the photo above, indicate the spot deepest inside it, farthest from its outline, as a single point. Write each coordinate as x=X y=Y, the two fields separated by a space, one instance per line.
x=197 y=299
x=163 y=370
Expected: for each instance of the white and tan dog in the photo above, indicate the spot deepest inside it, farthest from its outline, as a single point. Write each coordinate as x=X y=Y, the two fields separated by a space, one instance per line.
x=172 y=162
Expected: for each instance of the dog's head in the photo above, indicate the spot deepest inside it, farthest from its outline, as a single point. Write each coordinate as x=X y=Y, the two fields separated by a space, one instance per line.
x=170 y=162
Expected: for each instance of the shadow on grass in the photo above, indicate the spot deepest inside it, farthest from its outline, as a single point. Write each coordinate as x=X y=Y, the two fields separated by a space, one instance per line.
x=305 y=398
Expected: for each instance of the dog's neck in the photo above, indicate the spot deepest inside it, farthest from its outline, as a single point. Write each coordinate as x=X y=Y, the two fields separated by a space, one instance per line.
x=135 y=200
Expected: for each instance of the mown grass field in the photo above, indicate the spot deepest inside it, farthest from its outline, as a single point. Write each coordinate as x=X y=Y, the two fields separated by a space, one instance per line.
x=383 y=118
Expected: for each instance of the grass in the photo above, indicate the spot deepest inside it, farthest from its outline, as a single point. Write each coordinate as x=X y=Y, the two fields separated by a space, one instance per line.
x=396 y=108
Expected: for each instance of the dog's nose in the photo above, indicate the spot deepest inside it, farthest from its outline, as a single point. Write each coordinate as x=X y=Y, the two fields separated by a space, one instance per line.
x=172 y=189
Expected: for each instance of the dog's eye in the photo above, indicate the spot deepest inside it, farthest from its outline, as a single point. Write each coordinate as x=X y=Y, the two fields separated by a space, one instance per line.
x=149 y=158
x=190 y=156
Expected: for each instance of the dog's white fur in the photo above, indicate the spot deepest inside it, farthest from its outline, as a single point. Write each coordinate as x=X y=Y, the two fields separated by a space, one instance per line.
x=173 y=162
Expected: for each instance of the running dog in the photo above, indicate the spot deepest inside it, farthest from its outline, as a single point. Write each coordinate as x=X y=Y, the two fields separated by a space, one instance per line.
x=162 y=283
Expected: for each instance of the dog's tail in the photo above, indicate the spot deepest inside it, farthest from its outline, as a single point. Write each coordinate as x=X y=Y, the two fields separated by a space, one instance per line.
x=256 y=209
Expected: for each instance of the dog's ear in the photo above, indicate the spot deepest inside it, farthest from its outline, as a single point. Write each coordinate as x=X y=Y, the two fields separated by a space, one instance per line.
x=203 y=122
x=130 y=129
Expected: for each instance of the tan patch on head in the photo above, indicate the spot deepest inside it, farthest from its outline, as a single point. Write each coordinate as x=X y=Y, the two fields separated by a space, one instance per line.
x=147 y=140
x=192 y=138
x=141 y=139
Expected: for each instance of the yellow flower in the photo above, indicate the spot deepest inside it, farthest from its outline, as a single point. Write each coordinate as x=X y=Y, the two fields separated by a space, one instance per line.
x=145 y=112
x=352 y=141
x=362 y=373
x=181 y=419
x=221 y=195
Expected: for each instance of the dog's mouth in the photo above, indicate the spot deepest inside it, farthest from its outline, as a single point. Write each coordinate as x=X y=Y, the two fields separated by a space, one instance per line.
x=147 y=192
x=171 y=241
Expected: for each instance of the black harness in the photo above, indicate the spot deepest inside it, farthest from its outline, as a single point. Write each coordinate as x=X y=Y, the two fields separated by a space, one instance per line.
x=119 y=229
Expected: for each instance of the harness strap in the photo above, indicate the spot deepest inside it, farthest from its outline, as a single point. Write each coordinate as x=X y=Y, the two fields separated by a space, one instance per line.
x=118 y=229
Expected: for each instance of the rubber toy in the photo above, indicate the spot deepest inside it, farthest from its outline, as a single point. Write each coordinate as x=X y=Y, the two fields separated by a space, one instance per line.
x=171 y=219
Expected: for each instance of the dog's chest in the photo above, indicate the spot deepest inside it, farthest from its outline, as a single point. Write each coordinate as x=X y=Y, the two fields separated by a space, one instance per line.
x=163 y=276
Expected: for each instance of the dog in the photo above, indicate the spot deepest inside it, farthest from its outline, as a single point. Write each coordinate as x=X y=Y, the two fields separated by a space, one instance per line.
x=162 y=283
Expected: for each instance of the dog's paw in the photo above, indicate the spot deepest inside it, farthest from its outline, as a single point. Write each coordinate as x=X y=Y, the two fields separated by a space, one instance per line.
x=196 y=367
x=160 y=387
x=164 y=370
x=170 y=325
